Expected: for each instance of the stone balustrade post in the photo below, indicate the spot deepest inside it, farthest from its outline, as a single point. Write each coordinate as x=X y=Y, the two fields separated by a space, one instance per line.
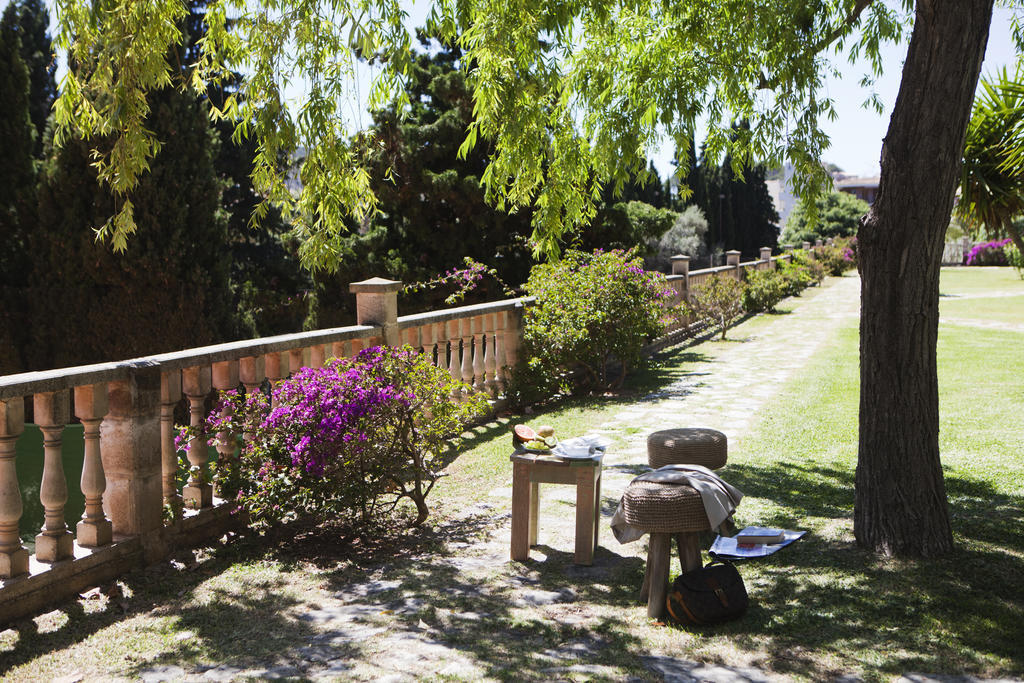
x=830 y=242
x=130 y=438
x=225 y=378
x=377 y=305
x=732 y=258
x=681 y=266
x=94 y=529
x=818 y=243
x=766 y=256
x=806 y=246
x=787 y=248
x=196 y=383
x=13 y=555
x=170 y=395
x=52 y=412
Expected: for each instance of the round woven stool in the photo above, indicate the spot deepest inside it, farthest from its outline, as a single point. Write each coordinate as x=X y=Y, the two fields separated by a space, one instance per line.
x=687 y=446
x=665 y=511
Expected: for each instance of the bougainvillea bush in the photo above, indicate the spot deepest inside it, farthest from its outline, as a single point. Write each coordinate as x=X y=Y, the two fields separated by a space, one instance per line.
x=592 y=312
x=344 y=442
x=988 y=254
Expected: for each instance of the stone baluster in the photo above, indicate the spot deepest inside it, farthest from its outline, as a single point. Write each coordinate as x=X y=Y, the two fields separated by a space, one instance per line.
x=454 y=359
x=94 y=530
x=513 y=327
x=317 y=356
x=225 y=378
x=428 y=339
x=196 y=383
x=441 y=342
x=466 y=332
x=491 y=358
x=170 y=395
x=251 y=372
x=13 y=555
x=411 y=336
x=276 y=368
x=296 y=359
x=356 y=345
x=479 y=342
x=52 y=412
x=502 y=370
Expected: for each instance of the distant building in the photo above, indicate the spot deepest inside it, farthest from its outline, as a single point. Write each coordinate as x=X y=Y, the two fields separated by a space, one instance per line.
x=861 y=188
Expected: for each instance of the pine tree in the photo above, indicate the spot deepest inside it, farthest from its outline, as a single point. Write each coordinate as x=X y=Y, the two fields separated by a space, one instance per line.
x=17 y=191
x=30 y=21
x=170 y=289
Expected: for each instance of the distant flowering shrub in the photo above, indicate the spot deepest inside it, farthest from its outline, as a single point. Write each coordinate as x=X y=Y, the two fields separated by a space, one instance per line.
x=591 y=310
x=988 y=254
x=342 y=442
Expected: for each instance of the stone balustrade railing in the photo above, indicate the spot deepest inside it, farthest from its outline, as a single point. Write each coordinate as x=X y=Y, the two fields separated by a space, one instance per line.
x=135 y=511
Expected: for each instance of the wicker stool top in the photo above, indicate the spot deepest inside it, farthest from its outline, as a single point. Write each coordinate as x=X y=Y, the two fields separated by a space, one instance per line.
x=664 y=508
x=687 y=446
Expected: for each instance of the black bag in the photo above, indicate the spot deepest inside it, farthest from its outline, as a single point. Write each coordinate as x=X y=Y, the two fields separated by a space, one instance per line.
x=709 y=595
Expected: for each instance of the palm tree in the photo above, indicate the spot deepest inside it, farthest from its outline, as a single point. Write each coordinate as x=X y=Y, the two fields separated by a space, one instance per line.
x=992 y=176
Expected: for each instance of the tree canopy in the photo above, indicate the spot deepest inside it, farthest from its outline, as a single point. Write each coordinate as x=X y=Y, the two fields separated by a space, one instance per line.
x=573 y=96
x=838 y=214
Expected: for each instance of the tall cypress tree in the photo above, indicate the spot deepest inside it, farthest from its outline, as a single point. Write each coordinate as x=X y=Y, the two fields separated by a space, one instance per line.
x=30 y=22
x=17 y=192
x=170 y=289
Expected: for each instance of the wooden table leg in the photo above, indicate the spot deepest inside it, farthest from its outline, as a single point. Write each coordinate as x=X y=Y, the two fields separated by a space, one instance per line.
x=521 y=490
x=534 y=511
x=584 y=515
x=597 y=504
x=658 y=556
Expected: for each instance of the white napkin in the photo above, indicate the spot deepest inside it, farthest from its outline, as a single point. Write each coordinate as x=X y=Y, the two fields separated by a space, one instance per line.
x=581 y=446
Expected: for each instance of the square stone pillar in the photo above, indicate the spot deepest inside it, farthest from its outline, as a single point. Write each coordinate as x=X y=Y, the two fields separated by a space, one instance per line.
x=806 y=246
x=766 y=253
x=13 y=555
x=130 y=449
x=377 y=305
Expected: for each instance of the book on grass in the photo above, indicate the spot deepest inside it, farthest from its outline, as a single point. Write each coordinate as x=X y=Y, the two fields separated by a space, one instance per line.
x=754 y=535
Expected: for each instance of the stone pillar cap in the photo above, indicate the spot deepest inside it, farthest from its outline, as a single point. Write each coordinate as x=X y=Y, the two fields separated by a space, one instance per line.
x=375 y=285
x=680 y=257
x=733 y=251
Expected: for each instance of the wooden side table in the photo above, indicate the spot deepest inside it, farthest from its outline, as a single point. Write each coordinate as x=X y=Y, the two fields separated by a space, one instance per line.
x=528 y=472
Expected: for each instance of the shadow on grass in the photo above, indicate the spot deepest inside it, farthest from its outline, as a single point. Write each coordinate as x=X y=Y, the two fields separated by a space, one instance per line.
x=964 y=612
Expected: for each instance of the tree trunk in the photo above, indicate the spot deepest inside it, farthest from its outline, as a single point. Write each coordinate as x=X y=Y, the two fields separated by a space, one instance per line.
x=900 y=503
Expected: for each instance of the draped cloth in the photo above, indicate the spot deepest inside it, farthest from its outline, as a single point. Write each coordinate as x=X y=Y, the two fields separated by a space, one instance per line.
x=718 y=497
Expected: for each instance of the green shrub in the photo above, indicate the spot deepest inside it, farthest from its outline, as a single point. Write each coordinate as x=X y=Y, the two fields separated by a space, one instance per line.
x=719 y=300
x=345 y=442
x=1015 y=258
x=590 y=311
x=763 y=291
x=838 y=215
x=835 y=259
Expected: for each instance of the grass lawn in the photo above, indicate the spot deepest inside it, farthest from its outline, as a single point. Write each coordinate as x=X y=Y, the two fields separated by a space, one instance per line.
x=820 y=608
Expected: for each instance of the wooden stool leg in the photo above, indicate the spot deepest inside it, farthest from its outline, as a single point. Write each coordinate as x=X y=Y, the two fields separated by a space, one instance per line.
x=597 y=504
x=658 y=557
x=689 y=551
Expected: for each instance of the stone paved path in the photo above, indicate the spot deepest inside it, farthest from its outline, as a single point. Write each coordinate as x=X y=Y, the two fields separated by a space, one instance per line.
x=448 y=614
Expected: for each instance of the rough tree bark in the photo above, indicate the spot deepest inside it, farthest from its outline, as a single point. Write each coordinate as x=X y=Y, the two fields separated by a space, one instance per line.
x=900 y=504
